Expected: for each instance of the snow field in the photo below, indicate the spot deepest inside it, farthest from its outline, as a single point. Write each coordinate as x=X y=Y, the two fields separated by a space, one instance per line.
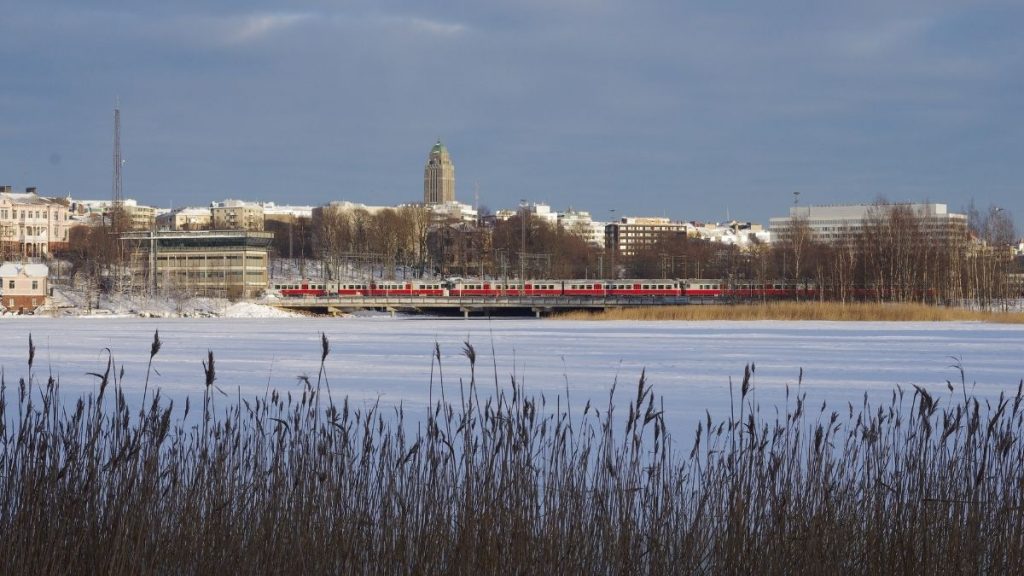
x=372 y=358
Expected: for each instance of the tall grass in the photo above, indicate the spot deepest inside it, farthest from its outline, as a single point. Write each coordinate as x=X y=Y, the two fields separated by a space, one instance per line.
x=491 y=480
x=811 y=310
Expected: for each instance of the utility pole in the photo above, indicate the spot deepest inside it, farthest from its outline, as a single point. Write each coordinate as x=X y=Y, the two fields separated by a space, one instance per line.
x=615 y=241
x=522 y=254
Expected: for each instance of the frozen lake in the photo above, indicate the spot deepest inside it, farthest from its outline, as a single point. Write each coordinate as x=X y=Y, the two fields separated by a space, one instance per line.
x=688 y=363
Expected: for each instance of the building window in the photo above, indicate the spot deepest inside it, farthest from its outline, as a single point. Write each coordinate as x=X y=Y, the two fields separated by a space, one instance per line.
x=35 y=284
x=10 y=284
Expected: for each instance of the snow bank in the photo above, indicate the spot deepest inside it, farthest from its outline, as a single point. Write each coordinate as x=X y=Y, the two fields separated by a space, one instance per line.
x=250 y=310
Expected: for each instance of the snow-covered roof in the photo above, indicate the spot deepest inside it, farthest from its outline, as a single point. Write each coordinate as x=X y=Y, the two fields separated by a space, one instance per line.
x=9 y=269
x=26 y=198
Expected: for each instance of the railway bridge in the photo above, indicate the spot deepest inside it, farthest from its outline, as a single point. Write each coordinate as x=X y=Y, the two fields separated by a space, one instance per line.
x=476 y=305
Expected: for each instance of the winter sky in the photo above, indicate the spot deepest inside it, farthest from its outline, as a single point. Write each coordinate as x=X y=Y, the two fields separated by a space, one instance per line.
x=686 y=109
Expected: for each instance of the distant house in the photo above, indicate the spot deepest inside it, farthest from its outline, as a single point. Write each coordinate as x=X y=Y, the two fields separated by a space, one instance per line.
x=23 y=287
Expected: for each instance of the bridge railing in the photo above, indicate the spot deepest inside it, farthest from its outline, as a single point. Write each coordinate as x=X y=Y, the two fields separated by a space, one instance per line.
x=483 y=301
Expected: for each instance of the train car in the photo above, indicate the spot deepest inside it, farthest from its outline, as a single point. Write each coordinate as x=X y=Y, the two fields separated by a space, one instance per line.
x=584 y=288
x=703 y=288
x=385 y=288
x=348 y=288
x=749 y=290
x=298 y=289
x=465 y=288
x=643 y=287
x=777 y=290
x=429 y=288
x=488 y=288
x=542 y=288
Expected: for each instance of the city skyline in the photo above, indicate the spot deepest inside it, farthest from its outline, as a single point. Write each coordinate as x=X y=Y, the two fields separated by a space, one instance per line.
x=693 y=111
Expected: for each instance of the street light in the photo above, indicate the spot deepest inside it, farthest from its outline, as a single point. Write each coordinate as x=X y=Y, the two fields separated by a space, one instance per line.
x=522 y=253
x=615 y=239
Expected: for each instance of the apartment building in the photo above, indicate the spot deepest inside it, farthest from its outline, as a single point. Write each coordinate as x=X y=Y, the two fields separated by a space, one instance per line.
x=188 y=218
x=579 y=222
x=31 y=226
x=236 y=215
x=630 y=235
x=136 y=217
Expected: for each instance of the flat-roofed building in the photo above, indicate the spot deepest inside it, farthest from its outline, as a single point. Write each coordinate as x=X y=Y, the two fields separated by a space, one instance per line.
x=231 y=263
x=285 y=213
x=453 y=211
x=31 y=226
x=136 y=216
x=237 y=215
x=187 y=218
x=841 y=223
x=630 y=235
x=580 y=223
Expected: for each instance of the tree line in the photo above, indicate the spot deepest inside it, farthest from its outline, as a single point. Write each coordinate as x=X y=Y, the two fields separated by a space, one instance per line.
x=895 y=254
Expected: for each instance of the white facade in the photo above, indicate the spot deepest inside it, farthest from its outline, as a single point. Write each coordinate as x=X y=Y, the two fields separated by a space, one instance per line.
x=741 y=234
x=844 y=222
x=579 y=221
x=346 y=206
x=279 y=211
x=543 y=212
x=453 y=211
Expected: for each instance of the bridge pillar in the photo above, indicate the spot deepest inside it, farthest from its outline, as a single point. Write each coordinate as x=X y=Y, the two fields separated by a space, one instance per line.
x=465 y=312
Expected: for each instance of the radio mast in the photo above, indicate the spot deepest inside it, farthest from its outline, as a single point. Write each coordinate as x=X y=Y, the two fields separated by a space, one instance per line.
x=117 y=196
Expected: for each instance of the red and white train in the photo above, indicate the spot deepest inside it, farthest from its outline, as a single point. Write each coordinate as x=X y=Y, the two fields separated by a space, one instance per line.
x=459 y=288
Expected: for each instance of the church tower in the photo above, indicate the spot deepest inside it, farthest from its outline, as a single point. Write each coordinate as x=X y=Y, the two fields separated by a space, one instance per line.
x=439 y=176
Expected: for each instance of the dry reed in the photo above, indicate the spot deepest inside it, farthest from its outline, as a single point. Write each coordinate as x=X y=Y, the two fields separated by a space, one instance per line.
x=497 y=482
x=833 y=311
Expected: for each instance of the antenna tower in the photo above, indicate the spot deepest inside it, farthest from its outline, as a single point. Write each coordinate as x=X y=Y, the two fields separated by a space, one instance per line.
x=117 y=196
x=796 y=198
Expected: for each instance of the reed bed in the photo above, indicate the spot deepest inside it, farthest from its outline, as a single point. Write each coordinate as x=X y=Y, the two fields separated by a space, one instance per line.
x=808 y=310
x=492 y=481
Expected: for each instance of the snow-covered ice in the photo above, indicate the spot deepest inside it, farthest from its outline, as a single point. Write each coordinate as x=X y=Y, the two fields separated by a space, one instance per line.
x=688 y=363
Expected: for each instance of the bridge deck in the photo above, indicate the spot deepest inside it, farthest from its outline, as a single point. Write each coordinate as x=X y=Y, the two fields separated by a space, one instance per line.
x=480 y=304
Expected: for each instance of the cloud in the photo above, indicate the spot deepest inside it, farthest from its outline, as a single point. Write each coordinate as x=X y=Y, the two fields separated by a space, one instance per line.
x=883 y=39
x=248 y=28
x=435 y=27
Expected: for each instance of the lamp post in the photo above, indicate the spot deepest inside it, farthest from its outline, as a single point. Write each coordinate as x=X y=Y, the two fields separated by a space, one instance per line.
x=615 y=241
x=522 y=253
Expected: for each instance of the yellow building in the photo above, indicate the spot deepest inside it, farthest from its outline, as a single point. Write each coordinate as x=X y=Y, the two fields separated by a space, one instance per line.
x=237 y=215
x=30 y=225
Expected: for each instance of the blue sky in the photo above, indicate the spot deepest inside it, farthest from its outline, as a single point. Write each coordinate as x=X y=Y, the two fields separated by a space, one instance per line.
x=687 y=109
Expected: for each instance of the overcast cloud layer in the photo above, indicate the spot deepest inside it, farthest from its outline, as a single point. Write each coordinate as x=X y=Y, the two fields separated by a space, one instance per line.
x=687 y=109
